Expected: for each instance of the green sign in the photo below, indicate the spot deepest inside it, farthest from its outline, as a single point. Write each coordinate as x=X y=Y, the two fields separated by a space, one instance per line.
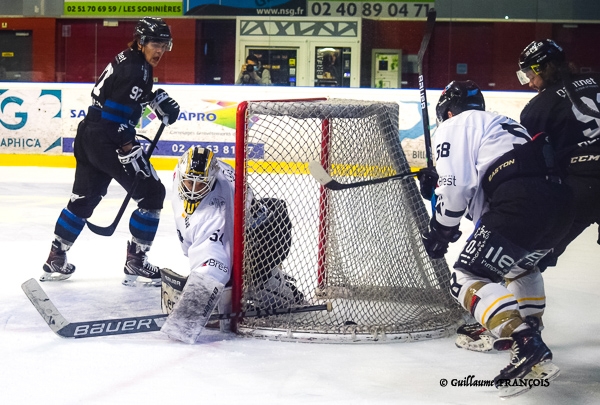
x=123 y=8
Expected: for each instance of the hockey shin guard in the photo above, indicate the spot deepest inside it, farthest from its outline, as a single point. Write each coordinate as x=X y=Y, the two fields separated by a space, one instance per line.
x=143 y=225
x=68 y=227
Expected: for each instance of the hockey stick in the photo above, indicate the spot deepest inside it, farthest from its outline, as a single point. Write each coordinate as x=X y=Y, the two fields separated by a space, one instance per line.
x=319 y=173
x=138 y=324
x=431 y=15
x=109 y=230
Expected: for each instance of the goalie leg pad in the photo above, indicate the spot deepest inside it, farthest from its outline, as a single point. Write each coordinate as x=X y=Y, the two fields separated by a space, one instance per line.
x=171 y=288
x=473 y=336
x=278 y=291
x=224 y=307
x=194 y=307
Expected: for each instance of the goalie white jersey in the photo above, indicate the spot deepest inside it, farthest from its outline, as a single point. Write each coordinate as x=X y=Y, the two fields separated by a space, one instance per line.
x=206 y=235
x=465 y=146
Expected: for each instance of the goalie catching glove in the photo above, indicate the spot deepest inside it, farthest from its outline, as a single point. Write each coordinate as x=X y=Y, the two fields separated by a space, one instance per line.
x=438 y=238
x=134 y=162
x=165 y=107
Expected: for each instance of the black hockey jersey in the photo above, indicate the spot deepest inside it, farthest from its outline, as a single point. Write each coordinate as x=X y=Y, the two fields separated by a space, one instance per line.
x=124 y=88
x=552 y=112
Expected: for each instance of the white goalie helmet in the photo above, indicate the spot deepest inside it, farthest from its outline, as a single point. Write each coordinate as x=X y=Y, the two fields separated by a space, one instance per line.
x=196 y=175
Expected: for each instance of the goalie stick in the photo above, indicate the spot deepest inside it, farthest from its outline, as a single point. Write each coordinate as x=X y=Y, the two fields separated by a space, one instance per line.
x=319 y=173
x=139 y=324
x=109 y=230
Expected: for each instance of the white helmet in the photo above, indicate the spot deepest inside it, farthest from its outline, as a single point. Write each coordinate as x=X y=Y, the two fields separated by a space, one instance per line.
x=196 y=175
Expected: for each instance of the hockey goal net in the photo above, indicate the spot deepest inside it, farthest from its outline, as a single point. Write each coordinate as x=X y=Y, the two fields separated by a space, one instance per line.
x=359 y=248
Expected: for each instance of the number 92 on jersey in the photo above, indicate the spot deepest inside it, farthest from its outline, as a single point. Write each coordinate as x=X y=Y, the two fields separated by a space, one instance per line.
x=370 y=9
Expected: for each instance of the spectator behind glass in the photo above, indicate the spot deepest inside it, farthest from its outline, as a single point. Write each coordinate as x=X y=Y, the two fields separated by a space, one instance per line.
x=253 y=73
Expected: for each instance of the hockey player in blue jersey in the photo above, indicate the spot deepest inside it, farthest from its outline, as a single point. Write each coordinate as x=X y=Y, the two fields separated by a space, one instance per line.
x=106 y=148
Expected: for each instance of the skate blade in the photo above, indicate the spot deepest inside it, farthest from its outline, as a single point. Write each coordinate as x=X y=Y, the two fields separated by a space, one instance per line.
x=546 y=370
x=54 y=276
x=140 y=282
x=485 y=343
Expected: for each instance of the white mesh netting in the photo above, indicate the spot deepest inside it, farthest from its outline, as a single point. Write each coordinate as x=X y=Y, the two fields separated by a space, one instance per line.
x=359 y=249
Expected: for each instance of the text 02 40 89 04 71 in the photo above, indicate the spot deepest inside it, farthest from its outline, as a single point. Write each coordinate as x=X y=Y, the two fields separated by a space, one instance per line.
x=369 y=9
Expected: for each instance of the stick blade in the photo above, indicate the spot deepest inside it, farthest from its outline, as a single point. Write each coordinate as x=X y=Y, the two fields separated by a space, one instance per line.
x=102 y=231
x=44 y=306
x=319 y=173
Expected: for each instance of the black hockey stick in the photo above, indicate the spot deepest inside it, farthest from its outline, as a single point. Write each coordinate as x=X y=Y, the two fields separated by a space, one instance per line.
x=109 y=230
x=431 y=15
x=319 y=173
x=122 y=326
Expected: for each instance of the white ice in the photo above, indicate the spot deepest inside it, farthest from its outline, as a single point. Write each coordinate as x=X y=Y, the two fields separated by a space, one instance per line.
x=38 y=367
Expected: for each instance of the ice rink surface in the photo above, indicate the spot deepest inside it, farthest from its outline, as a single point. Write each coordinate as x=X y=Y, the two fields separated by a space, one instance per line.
x=38 y=367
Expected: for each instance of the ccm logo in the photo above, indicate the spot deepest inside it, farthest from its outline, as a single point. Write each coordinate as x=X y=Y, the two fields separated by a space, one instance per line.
x=585 y=158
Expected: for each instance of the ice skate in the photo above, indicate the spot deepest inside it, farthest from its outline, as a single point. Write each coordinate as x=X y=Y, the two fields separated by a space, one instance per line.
x=540 y=376
x=473 y=336
x=136 y=265
x=530 y=358
x=56 y=267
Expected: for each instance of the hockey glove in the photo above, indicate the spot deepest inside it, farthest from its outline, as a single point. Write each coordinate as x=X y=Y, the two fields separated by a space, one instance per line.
x=165 y=107
x=437 y=239
x=134 y=162
x=428 y=179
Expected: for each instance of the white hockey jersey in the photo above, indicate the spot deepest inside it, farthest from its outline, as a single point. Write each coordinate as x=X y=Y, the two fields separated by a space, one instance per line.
x=206 y=236
x=465 y=146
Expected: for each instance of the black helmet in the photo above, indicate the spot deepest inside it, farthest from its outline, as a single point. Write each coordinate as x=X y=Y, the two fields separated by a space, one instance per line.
x=458 y=97
x=535 y=56
x=539 y=52
x=153 y=29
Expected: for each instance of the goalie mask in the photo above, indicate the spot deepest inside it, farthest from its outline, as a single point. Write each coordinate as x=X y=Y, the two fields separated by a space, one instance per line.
x=458 y=97
x=196 y=175
x=153 y=29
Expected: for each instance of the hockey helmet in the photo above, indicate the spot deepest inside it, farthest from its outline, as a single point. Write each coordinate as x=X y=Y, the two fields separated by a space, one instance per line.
x=196 y=175
x=459 y=96
x=153 y=29
x=535 y=55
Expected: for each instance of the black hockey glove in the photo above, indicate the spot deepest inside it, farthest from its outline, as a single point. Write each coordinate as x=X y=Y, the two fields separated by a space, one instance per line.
x=134 y=162
x=428 y=179
x=165 y=107
x=437 y=239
